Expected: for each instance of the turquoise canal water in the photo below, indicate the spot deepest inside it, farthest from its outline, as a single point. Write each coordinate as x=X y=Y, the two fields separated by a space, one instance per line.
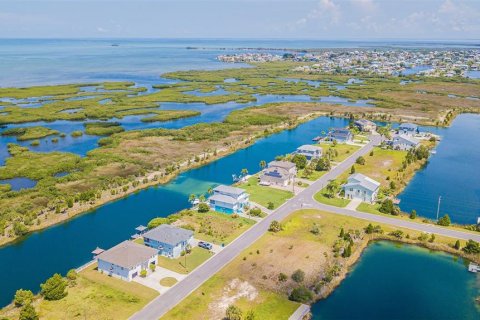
x=400 y=282
x=68 y=245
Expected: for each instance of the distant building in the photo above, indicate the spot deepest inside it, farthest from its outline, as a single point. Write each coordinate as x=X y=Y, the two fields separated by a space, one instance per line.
x=339 y=135
x=228 y=199
x=278 y=173
x=126 y=260
x=361 y=187
x=365 y=125
x=168 y=240
x=309 y=151
x=404 y=142
x=408 y=128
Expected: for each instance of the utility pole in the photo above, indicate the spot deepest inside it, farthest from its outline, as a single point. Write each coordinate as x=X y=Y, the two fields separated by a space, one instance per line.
x=438 y=206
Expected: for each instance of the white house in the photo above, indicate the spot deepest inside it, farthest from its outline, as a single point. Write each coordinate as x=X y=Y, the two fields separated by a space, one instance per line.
x=361 y=187
x=309 y=151
x=228 y=199
x=168 y=240
x=404 y=142
x=278 y=173
x=126 y=260
x=365 y=125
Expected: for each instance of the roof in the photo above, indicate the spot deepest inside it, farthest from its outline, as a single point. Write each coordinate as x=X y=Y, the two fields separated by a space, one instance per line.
x=223 y=198
x=169 y=234
x=363 y=181
x=276 y=173
x=408 y=126
x=97 y=251
x=309 y=147
x=141 y=228
x=228 y=189
x=365 y=122
x=339 y=132
x=282 y=164
x=127 y=254
x=407 y=138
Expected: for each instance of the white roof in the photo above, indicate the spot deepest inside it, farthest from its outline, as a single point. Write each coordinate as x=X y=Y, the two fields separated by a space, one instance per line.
x=223 y=198
x=169 y=234
x=229 y=189
x=309 y=147
x=281 y=164
x=407 y=138
x=358 y=179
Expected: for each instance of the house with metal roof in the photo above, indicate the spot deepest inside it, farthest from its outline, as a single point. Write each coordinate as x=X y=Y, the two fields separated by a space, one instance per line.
x=404 y=142
x=361 y=187
x=228 y=199
x=339 y=135
x=309 y=151
x=278 y=173
x=365 y=125
x=408 y=128
x=126 y=260
x=168 y=240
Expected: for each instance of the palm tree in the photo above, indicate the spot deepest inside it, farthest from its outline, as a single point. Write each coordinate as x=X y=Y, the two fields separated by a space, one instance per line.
x=191 y=198
x=332 y=188
x=263 y=164
x=202 y=198
x=244 y=172
x=210 y=190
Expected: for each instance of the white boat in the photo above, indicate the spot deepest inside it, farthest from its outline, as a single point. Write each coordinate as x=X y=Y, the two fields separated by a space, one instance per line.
x=473 y=267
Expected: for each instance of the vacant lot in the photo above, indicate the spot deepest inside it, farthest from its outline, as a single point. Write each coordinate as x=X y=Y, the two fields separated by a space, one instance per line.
x=263 y=195
x=186 y=263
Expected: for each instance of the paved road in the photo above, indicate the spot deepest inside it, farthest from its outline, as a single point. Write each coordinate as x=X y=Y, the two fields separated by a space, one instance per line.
x=162 y=304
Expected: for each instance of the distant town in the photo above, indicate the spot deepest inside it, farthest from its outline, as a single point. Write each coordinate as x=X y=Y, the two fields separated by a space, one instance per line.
x=435 y=63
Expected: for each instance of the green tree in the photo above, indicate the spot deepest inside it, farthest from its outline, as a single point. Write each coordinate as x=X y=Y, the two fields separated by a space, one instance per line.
x=202 y=198
x=388 y=207
x=233 y=313
x=263 y=164
x=352 y=170
x=471 y=247
x=342 y=233
x=301 y=294
x=270 y=205
x=72 y=274
x=444 y=221
x=54 y=288
x=413 y=214
x=298 y=276
x=347 y=252
x=28 y=313
x=23 y=297
x=191 y=198
x=20 y=229
x=203 y=208
x=457 y=245
x=300 y=161
x=332 y=188
x=244 y=172
x=323 y=164
x=360 y=160
x=275 y=226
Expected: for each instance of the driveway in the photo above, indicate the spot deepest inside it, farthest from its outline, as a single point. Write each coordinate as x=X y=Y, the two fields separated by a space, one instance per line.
x=353 y=204
x=152 y=280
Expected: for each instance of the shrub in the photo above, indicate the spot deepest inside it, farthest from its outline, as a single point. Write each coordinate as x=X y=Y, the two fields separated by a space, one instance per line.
x=347 y=252
x=457 y=245
x=373 y=229
x=72 y=274
x=155 y=222
x=472 y=247
x=143 y=273
x=270 y=205
x=233 y=313
x=397 y=234
x=256 y=212
x=23 y=297
x=352 y=170
x=444 y=221
x=389 y=208
x=360 y=160
x=28 y=313
x=300 y=161
x=54 y=288
x=301 y=294
x=203 y=208
x=275 y=226
x=413 y=214
x=298 y=276
x=315 y=229
x=323 y=164
x=282 y=277
x=152 y=267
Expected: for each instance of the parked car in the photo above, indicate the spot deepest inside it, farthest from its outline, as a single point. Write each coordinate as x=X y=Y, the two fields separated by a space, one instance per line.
x=205 y=245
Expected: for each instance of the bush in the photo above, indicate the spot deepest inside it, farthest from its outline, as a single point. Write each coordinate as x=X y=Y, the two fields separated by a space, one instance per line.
x=23 y=297
x=54 y=288
x=256 y=212
x=28 y=313
x=233 y=313
x=397 y=234
x=155 y=222
x=152 y=267
x=457 y=245
x=360 y=160
x=315 y=229
x=413 y=214
x=389 y=208
x=298 y=276
x=323 y=164
x=72 y=274
x=282 y=277
x=444 y=221
x=300 y=161
x=472 y=247
x=143 y=273
x=301 y=294
x=352 y=170
x=203 y=208
x=270 y=206
x=373 y=229
x=275 y=226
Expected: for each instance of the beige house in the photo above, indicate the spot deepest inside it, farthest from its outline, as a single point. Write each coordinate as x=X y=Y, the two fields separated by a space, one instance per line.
x=279 y=173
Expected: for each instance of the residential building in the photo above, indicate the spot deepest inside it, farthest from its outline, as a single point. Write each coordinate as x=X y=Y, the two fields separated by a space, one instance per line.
x=361 y=187
x=404 y=142
x=408 y=128
x=339 y=135
x=278 y=173
x=228 y=199
x=126 y=260
x=309 y=151
x=168 y=240
x=365 y=125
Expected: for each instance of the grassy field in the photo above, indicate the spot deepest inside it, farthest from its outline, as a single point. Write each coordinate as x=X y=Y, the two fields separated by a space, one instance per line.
x=186 y=263
x=337 y=202
x=343 y=150
x=264 y=194
x=30 y=133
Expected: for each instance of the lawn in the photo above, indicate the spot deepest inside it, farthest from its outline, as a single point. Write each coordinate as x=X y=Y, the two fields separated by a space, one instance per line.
x=343 y=150
x=315 y=175
x=264 y=194
x=337 y=202
x=369 y=208
x=168 y=281
x=98 y=296
x=192 y=260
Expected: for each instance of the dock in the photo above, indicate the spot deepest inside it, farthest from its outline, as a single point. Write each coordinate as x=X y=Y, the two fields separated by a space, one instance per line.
x=300 y=313
x=473 y=267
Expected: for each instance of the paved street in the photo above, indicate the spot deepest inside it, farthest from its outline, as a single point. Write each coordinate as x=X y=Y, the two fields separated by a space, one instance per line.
x=162 y=304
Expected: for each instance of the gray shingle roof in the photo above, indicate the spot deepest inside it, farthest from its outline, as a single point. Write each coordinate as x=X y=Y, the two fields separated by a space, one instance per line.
x=363 y=181
x=282 y=164
x=169 y=234
x=309 y=147
x=222 y=198
x=407 y=138
x=229 y=189
x=127 y=254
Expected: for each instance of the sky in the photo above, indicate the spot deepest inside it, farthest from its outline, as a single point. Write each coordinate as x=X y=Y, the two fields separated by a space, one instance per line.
x=294 y=19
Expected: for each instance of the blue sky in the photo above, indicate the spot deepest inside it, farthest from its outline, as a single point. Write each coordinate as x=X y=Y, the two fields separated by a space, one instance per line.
x=319 y=19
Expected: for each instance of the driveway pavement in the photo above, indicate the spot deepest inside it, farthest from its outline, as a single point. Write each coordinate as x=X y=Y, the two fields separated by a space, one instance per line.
x=152 y=280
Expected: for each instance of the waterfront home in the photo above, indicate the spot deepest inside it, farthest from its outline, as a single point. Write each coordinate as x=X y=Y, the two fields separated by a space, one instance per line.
x=278 y=173
x=404 y=142
x=309 y=151
x=168 y=240
x=228 y=199
x=361 y=187
x=365 y=125
x=408 y=129
x=339 y=135
x=126 y=260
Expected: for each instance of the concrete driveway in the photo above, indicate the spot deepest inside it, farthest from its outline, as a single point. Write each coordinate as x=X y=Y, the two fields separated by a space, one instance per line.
x=152 y=280
x=353 y=204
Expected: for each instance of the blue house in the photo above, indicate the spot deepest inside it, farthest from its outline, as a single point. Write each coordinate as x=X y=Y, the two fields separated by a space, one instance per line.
x=228 y=199
x=169 y=240
x=339 y=135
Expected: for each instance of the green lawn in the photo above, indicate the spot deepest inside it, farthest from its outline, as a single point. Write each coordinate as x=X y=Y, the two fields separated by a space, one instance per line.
x=315 y=175
x=343 y=150
x=337 y=202
x=369 y=208
x=193 y=260
x=263 y=194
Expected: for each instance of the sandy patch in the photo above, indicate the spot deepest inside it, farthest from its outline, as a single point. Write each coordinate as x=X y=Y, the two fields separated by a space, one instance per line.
x=234 y=290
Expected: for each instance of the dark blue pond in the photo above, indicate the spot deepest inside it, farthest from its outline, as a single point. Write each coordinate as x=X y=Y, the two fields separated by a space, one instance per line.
x=401 y=282
x=68 y=245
